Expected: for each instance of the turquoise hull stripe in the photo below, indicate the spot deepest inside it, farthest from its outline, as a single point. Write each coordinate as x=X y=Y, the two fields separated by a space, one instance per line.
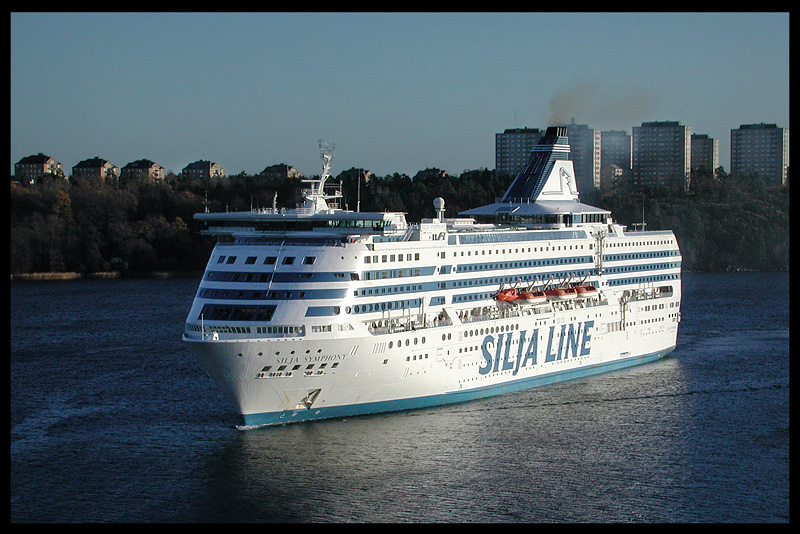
x=296 y=416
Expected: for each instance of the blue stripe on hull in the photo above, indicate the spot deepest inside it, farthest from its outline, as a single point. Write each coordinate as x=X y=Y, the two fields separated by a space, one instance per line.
x=296 y=416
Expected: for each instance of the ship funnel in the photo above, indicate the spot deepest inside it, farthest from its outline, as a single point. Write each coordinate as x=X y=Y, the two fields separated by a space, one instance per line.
x=552 y=147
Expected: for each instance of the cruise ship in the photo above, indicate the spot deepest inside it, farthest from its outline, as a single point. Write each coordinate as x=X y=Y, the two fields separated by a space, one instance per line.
x=320 y=312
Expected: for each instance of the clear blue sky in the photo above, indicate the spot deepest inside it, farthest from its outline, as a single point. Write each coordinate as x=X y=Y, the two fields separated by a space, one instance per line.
x=395 y=92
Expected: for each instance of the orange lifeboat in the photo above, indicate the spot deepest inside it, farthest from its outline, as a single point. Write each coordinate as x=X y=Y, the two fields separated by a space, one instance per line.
x=532 y=296
x=508 y=294
x=561 y=293
x=586 y=290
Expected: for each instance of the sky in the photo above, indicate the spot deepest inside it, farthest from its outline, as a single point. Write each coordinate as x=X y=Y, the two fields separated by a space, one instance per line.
x=394 y=92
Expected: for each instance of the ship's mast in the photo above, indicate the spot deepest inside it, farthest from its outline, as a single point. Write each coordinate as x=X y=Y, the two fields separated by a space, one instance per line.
x=315 y=198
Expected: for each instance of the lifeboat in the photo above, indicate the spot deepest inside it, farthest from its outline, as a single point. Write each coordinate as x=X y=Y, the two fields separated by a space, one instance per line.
x=508 y=294
x=561 y=293
x=586 y=290
x=532 y=296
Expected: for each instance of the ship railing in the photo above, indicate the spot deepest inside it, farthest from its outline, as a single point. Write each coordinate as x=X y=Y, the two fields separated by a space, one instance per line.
x=648 y=293
x=383 y=326
x=282 y=211
x=487 y=313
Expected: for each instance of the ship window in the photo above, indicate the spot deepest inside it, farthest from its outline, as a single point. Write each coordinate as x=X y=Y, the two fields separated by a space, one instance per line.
x=270 y=260
x=221 y=259
x=250 y=260
x=231 y=259
x=309 y=260
x=288 y=260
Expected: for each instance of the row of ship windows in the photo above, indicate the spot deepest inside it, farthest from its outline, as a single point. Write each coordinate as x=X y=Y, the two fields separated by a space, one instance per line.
x=288 y=331
x=639 y=243
x=517 y=264
x=385 y=258
x=650 y=267
x=640 y=255
x=643 y=279
x=269 y=260
x=503 y=252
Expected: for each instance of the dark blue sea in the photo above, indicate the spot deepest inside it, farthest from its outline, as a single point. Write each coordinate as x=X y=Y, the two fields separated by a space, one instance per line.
x=112 y=420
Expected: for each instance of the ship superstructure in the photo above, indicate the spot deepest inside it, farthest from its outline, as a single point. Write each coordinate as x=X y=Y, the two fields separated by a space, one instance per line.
x=319 y=312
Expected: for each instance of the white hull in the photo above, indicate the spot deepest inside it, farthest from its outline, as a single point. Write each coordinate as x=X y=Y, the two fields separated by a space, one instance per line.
x=289 y=380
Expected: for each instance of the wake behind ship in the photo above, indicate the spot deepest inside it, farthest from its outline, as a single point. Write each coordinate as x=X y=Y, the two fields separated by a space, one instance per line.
x=318 y=312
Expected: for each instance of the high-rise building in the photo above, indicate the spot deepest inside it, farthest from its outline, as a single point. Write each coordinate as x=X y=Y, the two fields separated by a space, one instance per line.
x=584 y=153
x=513 y=147
x=762 y=149
x=661 y=154
x=616 y=156
x=705 y=153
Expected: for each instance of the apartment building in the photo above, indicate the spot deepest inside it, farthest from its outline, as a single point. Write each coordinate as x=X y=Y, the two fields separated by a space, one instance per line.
x=585 y=154
x=513 y=147
x=662 y=154
x=281 y=170
x=95 y=168
x=143 y=169
x=705 y=153
x=31 y=168
x=203 y=169
x=761 y=149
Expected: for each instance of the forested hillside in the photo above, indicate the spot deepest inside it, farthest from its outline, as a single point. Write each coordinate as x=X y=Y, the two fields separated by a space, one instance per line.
x=83 y=226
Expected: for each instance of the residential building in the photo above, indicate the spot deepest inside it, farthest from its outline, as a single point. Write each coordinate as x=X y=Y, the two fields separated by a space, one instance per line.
x=143 y=169
x=203 y=169
x=584 y=143
x=616 y=149
x=513 y=147
x=281 y=170
x=430 y=173
x=31 y=168
x=762 y=149
x=705 y=153
x=95 y=168
x=612 y=176
x=662 y=154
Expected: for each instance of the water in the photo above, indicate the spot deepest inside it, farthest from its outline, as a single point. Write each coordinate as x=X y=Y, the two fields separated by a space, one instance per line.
x=112 y=420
